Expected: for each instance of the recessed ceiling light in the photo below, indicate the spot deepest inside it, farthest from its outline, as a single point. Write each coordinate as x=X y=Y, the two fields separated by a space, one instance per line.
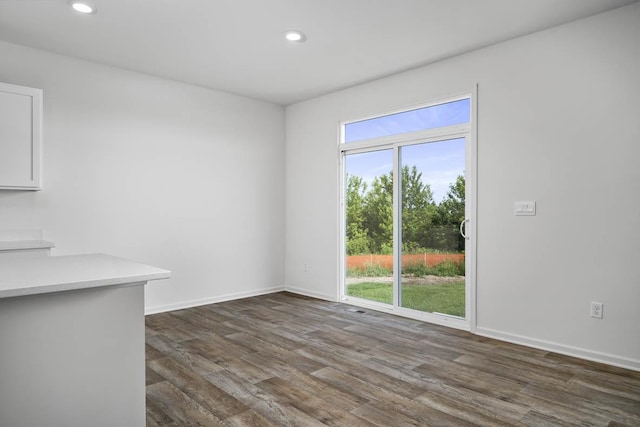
x=83 y=7
x=295 y=36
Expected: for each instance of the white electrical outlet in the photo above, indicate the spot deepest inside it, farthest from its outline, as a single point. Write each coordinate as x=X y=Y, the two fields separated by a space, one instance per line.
x=306 y=266
x=596 y=310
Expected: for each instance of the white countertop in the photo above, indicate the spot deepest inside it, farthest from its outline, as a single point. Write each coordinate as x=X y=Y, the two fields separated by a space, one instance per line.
x=45 y=274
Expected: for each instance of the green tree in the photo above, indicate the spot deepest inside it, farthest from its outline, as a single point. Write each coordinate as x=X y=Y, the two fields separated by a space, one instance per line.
x=357 y=241
x=418 y=210
x=378 y=214
x=453 y=205
x=425 y=225
x=451 y=213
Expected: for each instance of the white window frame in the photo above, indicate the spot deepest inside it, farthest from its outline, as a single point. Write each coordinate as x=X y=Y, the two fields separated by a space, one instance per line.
x=395 y=142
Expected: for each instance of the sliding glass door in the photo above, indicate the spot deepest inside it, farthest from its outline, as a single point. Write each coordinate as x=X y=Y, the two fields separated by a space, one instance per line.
x=432 y=267
x=406 y=212
x=369 y=225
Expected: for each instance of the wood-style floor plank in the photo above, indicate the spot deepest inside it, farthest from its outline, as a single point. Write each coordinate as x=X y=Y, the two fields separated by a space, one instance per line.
x=179 y=407
x=286 y=360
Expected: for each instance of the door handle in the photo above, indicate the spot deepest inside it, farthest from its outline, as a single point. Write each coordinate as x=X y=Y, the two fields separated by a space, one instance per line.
x=462 y=231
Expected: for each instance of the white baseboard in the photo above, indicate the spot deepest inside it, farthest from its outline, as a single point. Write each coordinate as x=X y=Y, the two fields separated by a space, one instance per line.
x=220 y=298
x=582 y=353
x=310 y=294
x=229 y=297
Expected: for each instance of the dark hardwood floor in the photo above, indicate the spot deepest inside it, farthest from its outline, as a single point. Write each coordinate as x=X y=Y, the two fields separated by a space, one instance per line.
x=287 y=360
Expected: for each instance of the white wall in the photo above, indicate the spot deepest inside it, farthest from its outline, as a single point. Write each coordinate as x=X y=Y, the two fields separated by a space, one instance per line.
x=557 y=123
x=160 y=172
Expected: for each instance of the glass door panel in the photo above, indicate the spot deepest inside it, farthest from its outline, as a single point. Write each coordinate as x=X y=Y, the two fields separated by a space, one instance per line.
x=432 y=207
x=369 y=225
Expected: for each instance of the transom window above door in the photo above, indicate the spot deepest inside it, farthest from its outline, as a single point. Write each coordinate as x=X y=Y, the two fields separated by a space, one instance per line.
x=430 y=117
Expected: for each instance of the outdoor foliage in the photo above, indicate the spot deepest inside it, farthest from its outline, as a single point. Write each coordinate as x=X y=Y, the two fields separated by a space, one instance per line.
x=426 y=225
x=370 y=270
x=443 y=269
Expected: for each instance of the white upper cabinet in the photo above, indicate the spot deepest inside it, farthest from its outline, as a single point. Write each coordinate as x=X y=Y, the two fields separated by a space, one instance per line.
x=20 y=137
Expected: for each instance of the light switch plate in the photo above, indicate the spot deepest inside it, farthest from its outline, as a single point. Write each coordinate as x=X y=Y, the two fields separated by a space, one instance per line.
x=525 y=208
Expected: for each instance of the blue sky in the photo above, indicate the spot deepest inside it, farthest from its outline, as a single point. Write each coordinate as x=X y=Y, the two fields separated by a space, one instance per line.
x=450 y=113
x=440 y=162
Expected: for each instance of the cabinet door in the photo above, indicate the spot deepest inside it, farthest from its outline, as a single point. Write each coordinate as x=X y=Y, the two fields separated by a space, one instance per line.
x=20 y=137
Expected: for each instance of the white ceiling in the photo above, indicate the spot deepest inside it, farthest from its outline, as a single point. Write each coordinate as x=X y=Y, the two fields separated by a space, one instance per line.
x=238 y=45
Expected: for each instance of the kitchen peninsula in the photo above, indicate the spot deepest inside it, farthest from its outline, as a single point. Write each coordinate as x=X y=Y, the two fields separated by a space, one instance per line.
x=72 y=340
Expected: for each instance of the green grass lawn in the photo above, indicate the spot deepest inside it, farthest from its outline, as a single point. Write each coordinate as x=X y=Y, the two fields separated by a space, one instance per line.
x=445 y=298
